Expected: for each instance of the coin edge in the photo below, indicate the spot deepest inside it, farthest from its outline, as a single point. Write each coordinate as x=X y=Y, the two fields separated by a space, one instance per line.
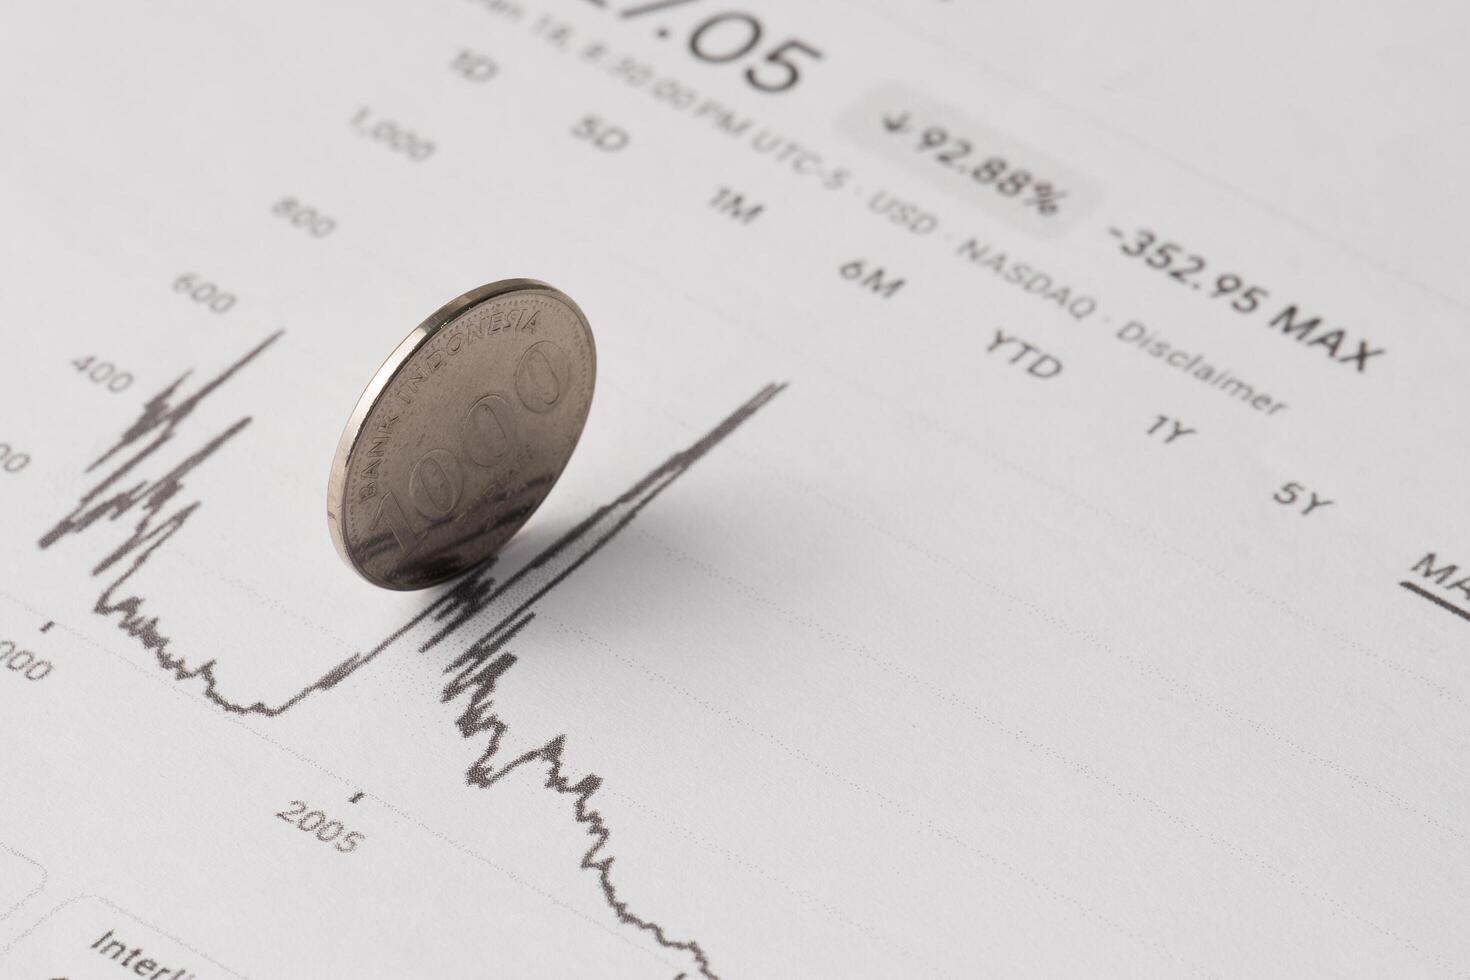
x=388 y=371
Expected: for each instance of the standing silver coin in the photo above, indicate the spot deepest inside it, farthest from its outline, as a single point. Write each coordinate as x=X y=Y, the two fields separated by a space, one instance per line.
x=461 y=434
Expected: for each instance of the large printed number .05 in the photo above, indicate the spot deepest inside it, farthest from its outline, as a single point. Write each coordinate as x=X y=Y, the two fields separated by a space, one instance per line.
x=784 y=73
x=487 y=437
x=731 y=36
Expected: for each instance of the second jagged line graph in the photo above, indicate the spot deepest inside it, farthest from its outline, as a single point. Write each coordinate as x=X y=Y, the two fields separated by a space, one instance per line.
x=479 y=597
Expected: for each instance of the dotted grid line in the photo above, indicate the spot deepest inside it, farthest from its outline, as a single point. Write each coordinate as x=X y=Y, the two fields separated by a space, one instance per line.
x=138 y=919
x=918 y=421
x=1408 y=671
x=1240 y=585
x=1142 y=666
x=926 y=423
x=1139 y=665
x=40 y=886
x=1262 y=864
x=1042 y=749
x=191 y=698
x=1133 y=661
x=866 y=930
x=280 y=607
x=944 y=695
x=213 y=570
x=1017 y=734
x=890 y=803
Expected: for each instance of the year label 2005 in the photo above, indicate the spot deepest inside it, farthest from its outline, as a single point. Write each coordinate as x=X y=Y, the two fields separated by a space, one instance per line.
x=316 y=823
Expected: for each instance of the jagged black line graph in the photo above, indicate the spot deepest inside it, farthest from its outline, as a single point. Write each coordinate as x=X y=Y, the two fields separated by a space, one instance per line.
x=474 y=600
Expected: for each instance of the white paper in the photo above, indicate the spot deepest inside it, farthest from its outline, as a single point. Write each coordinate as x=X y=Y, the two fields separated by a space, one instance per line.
x=1061 y=577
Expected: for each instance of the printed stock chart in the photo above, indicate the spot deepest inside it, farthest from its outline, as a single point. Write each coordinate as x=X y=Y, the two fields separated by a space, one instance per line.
x=1007 y=540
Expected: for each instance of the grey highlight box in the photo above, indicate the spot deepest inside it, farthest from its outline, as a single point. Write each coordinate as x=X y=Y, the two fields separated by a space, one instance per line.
x=970 y=160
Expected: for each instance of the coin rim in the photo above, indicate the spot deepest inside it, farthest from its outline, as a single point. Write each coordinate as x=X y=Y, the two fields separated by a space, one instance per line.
x=383 y=377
